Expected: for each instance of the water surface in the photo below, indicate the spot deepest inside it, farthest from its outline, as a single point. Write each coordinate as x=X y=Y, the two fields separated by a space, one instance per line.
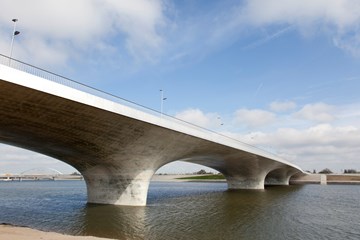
x=178 y=210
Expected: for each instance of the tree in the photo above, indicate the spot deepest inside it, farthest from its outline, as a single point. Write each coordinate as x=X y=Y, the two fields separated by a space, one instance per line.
x=202 y=171
x=326 y=171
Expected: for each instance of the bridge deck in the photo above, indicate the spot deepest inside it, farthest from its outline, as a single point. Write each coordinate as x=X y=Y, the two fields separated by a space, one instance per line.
x=118 y=148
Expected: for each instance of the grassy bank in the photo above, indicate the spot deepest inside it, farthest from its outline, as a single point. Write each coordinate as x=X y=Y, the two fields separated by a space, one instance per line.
x=204 y=177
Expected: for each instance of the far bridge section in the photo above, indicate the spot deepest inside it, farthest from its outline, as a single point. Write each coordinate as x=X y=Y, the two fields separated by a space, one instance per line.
x=117 y=145
x=42 y=173
x=38 y=177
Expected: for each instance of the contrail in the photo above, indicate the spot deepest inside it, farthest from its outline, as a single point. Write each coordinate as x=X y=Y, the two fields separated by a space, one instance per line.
x=258 y=90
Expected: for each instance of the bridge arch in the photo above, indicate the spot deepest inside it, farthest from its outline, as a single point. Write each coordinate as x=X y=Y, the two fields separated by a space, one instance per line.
x=280 y=176
x=41 y=169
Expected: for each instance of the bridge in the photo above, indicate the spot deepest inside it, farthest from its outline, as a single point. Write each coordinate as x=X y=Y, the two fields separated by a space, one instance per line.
x=115 y=144
x=41 y=173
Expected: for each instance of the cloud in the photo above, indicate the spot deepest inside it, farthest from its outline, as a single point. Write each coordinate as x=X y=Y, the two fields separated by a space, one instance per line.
x=150 y=31
x=254 y=117
x=232 y=22
x=349 y=43
x=140 y=20
x=284 y=106
x=179 y=167
x=318 y=112
x=319 y=146
x=312 y=138
x=68 y=29
x=340 y=13
x=17 y=160
x=339 y=19
x=198 y=117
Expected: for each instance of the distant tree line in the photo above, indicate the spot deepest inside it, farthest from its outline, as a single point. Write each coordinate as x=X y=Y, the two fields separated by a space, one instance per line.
x=328 y=171
x=324 y=171
x=202 y=171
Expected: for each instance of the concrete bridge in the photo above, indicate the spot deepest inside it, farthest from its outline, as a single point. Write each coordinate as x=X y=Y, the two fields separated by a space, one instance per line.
x=117 y=145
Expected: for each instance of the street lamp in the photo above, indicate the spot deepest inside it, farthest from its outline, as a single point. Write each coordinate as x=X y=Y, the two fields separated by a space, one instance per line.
x=14 y=33
x=162 y=99
x=220 y=121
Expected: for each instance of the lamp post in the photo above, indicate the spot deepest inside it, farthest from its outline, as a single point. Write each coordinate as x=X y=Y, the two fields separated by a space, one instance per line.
x=220 y=121
x=14 y=33
x=162 y=99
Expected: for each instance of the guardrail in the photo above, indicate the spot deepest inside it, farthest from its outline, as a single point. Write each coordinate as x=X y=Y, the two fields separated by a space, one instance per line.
x=39 y=72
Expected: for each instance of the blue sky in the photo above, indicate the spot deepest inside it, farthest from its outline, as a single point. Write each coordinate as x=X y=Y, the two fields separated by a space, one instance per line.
x=283 y=75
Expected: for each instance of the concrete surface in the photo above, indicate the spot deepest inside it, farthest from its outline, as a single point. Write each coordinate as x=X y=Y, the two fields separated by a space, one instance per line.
x=117 y=148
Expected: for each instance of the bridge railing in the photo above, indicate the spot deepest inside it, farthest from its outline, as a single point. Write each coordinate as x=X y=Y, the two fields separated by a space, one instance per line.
x=39 y=72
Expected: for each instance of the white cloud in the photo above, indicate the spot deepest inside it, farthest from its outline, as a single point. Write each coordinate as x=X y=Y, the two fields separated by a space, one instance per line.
x=198 y=117
x=149 y=30
x=338 y=18
x=323 y=142
x=317 y=147
x=340 y=13
x=254 y=117
x=140 y=20
x=179 y=167
x=294 y=139
x=284 y=106
x=16 y=160
x=349 y=43
x=318 y=112
x=66 y=28
x=349 y=114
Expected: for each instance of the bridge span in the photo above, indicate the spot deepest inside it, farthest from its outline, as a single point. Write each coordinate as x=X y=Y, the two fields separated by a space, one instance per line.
x=117 y=145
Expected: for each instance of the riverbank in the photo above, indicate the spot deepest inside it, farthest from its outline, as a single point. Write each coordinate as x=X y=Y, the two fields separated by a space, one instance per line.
x=327 y=179
x=305 y=179
x=174 y=177
x=22 y=233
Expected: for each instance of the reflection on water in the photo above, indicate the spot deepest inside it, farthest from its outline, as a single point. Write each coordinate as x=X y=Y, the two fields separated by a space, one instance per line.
x=188 y=211
x=114 y=221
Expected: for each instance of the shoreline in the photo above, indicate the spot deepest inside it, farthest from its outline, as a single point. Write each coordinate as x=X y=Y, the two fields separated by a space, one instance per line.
x=8 y=231
x=331 y=179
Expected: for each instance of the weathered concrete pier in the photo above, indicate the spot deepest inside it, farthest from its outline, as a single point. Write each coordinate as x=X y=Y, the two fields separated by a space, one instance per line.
x=116 y=145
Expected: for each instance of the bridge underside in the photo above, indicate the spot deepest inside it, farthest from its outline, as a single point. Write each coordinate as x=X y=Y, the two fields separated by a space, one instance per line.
x=118 y=155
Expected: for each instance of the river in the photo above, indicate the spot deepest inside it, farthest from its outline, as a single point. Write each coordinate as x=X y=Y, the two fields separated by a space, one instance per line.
x=188 y=210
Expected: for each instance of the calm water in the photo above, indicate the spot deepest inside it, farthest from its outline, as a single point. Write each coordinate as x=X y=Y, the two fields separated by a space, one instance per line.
x=188 y=211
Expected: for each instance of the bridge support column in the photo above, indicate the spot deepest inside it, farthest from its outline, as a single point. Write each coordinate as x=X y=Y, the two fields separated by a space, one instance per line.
x=246 y=181
x=110 y=186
